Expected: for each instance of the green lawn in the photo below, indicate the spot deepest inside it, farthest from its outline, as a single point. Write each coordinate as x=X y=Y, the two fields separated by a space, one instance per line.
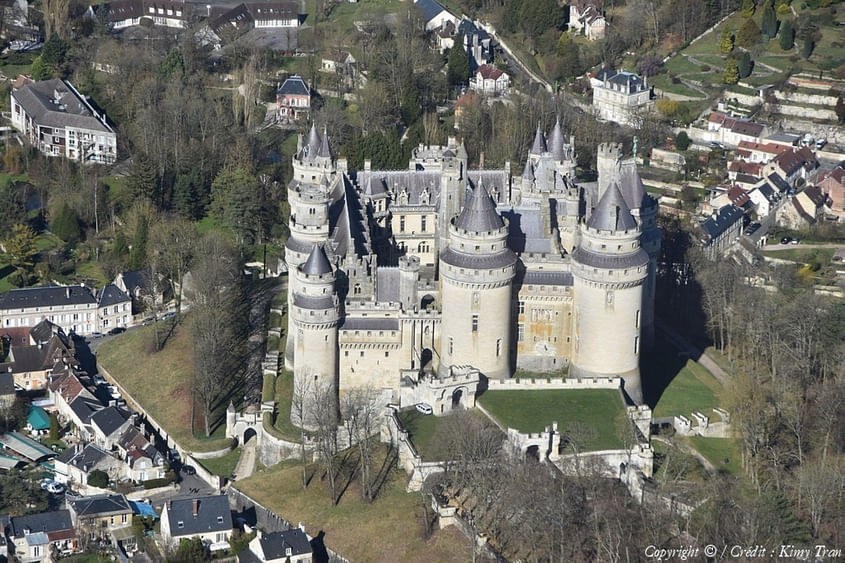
x=803 y=255
x=223 y=466
x=723 y=453
x=680 y=64
x=284 y=396
x=384 y=530
x=692 y=389
x=47 y=241
x=533 y=410
x=161 y=382
x=663 y=82
x=91 y=270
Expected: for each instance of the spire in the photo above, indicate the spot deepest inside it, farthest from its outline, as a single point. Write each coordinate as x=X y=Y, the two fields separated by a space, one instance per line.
x=612 y=213
x=528 y=172
x=325 y=148
x=632 y=186
x=539 y=146
x=557 y=142
x=317 y=263
x=479 y=214
x=313 y=142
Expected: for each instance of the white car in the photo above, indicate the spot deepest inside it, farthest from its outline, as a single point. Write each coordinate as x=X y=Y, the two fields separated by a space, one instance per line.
x=55 y=488
x=424 y=408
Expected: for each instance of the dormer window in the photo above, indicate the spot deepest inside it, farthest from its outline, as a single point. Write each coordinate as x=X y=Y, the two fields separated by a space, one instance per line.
x=180 y=524
x=219 y=519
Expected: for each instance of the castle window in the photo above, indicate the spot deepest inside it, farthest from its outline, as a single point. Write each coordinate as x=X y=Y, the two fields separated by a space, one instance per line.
x=637 y=322
x=522 y=307
x=401 y=223
x=451 y=345
x=520 y=332
x=362 y=353
x=475 y=323
x=498 y=347
x=604 y=247
x=311 y=211
x=346 y=353
x=357 y=289
x=636 y=345
x=422 y=223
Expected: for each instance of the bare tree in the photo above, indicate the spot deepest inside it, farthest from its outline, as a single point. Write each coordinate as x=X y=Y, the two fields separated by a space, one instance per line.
x=323 y=409
x=360 y=412
x=302 y=389
x=172 y=246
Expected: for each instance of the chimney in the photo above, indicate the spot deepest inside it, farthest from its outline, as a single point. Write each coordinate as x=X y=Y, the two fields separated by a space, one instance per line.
x=196 y=506
x=302 y=527
x=170 y=505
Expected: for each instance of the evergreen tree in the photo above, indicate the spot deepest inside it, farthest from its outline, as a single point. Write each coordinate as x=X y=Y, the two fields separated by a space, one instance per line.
x=188 y=195
x=409 y=107
x=119 y=248
x=744 y=64
x=726 y=43
x=234 y=201
x=747 y=8
x=807 y=47
x=458 y=72
x=748 y=35
x=138 y=252
x=569 y=57
x=54 y=53
x=510 y=15
x=20 y=247
x=65 y=224
x=731 y=75
x=143 y=180
x=12 y=205
x=769 y=23
x=682 y=141
x=787 y=36
x=39 y=70
x=54 y=426
x=538 y=16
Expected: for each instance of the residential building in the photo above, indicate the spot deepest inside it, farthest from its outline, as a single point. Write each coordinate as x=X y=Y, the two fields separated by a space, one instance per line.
x=490 y=81
x=794 y=165
x=732 y=131
x=142 y=288
x=477 y=43
x=34 y=536
x=293 y=99
x=733 y=195
x=832 y=183
x=584 y=16
x=467 y=100
x=127 y=13
x=206 y=518
x=491 y=269
x=721 y=230
x=435 y=15
x=766 y=199
x=81 y=410
x=48 y=350
x=291 y=546
x=755 y=152
x=620 y=96
x=7 y=390
x=65 y=388
x=75 y=308
x=253 y=15
x=337 y=61
x=75 y=464
x=103 y=517
x=752 y=169
x=804 y=209
x=143 y=460
x=59 y=121
x=108 y=425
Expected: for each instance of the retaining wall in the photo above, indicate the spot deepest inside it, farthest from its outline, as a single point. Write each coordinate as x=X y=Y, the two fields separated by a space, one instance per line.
x=554 y=383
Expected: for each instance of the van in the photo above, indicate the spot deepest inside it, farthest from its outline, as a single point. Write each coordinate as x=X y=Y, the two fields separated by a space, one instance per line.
x=424 y=408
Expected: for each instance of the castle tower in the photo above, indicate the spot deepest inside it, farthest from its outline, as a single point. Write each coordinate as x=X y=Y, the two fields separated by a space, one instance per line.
x=609 y=269
x=538 y=147
x=609 y=166
x=409 y=277
x=315 y=310
x=644 y=210
x=476 y=273
x=563 y=154
x=310 y=193
x=452 y=190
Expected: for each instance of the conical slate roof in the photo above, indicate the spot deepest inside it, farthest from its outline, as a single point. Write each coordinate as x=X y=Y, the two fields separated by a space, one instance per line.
x=612 y=213
x=325 y=148
x=317 y=263
x=528 y=172
x=313 y=142
x=539 y=146
x=557 y=142
x=632 y=187
x=479 y=214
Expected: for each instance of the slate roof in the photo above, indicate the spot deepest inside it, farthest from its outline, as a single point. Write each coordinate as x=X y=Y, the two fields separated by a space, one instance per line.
x=791 y=161
x=387 y=284
x=479 y=214
x=631 y=186
x=317 y=263
x=37 y=100
x=137 y=280
x=369 y=323
x=547 y=278
x=313 y=302
x=109 y=419
x=622 y=79
x=767 y=192
x=25 y=446
x=7 y=384
x=85 y=459
x=46 y=296
x=612 y=213
x=84 y=408
x=725 y=218
x=478 y=261
x=112 y=295
x=44 y=331
x=610 y=261
x=294 y=85
x=430 y=9
x=778 y=182
x=99 y=506
x=213 y=515
x=276 y=544
x=557 y=143
x=45 y=522
x=538 y=147
x=525 y=230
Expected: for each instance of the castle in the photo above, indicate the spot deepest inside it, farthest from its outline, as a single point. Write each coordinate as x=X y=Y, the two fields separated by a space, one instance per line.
x=421 y=282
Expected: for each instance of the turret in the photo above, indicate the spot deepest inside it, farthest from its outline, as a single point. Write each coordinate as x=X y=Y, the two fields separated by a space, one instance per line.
x=538 y=147
x=476 y=271
x=315 y=310
x=608 y=163
x=409 y=277
x=609 y=268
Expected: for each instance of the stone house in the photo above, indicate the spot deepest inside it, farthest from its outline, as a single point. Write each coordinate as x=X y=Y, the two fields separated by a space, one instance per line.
x=755 y=152
x=721 y=230
x=794 y=165
x=103 y=518
x=337 y=61
x=65 y=389
x=832 y=183
x=7 y=391
x=293 y=99
x=290 y=546
x=114 y=308
x=143 y=460
x=75 y=464
x=584 y=16
x=803 y=209
x=34 y=536
x=206 y=518
x=108 y=425
x=434 y=15
x=620 y=96
x=49 y=350
x=142 y=289
x=59 y=121
x=733 y=131
x=490 y=81
x=765 y=199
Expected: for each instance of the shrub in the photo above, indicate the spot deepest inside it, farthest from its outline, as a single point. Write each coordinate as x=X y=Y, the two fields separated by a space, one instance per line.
x=98 y=478
x=682 y=141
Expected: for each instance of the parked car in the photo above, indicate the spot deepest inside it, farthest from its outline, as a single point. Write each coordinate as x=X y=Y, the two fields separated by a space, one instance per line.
x=99 y=380
x=96 y=335
x=167 y=316
x=794 y=241
x=785 y=240
x=189 y=470
x=55 y=488
x=424 y=408
x=820 y=143
x=117 y=330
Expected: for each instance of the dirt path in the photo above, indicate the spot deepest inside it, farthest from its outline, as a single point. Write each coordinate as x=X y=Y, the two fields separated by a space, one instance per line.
x=687 y=449
x=246 y=463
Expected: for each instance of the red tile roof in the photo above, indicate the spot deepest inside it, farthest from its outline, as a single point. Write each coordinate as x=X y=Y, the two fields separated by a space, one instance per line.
x=738 y=196
x=489 y=72
x=770 y=148
x=752 y=168
x=791 y=160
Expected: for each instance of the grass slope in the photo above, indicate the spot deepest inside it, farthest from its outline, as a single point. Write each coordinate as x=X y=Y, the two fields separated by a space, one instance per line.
x=159 y=381
x=723 y=453
x=532 y=411
x=385 y=530
x=693 y=389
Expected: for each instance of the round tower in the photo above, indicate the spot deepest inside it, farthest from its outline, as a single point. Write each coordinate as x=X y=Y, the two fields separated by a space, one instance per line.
x=609 y=268
x=476 y=273
x=608 y=164
x=315 y=310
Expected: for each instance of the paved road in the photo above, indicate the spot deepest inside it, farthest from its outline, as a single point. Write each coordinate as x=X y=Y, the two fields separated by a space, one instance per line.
x=807 y=246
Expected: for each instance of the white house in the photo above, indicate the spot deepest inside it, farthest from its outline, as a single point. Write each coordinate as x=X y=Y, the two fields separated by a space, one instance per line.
x=585 y=17
x=206 y=518
x=620 y=96
x=435 y=15
x=491 y=81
